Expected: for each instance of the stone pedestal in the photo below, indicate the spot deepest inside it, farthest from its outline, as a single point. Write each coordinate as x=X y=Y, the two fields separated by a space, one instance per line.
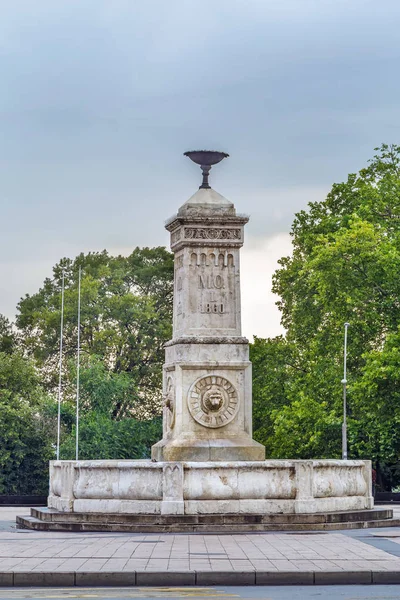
x=207 y=372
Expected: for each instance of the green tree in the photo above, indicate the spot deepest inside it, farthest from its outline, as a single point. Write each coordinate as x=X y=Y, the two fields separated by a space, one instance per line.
x=105 y=438
x=126 y=316
x=25 y=434
x=344 y=268
x=7 y=336
x=376 y=404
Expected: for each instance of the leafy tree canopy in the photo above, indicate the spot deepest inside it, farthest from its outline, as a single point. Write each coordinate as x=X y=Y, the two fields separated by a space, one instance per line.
x=25 y=440
x=344 y=268
x=126 y=316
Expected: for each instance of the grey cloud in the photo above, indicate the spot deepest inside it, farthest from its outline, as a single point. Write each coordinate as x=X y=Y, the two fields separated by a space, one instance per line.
x=101 y=98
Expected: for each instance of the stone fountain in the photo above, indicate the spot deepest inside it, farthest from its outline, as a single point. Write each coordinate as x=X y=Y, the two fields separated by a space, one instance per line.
x=207 y=462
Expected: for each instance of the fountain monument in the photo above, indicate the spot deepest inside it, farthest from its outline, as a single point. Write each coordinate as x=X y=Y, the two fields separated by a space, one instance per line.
x=207 y=462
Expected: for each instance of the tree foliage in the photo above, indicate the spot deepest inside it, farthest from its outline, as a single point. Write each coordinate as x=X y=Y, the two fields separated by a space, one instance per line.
x=126 y=316
x=25 y=442
x=344 y=268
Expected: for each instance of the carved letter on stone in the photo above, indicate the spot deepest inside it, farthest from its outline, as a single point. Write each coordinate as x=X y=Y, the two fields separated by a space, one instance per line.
x=211 y=282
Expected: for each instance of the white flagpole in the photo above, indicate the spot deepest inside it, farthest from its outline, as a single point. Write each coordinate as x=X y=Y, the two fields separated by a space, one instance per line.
x=60 y=371
x=344 y=383
x=78 y=364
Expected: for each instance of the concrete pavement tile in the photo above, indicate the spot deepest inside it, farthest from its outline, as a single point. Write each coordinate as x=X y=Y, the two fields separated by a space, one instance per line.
x=7 y=563
x=123 y=553
x=377 y=565
x=263 y=565
x=384 y=565
x=115 y=564
x=160 y=564
x=284 y=565
x=29 y=564
x=51 y=564
x=134 y=565
x=178 y=565
x=353 y=565
x=221 y=565
x=306 y=565
x=74 y=563
x=93 y=565
x=67 y=552
x=326 y=565
x=238 y=564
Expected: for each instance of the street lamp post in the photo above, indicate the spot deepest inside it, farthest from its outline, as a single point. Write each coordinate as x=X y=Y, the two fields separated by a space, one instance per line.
x=344 y=382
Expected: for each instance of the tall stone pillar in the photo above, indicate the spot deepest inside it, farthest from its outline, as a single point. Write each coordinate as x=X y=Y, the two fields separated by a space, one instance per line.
x=207 y=372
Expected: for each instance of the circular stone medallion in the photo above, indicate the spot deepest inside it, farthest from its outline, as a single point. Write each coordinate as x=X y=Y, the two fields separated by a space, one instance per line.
x=213 y=401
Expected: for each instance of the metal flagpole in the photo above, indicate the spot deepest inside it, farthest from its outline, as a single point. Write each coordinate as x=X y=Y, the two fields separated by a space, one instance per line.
x=78 y=364
x=344 y=382
x=60 y=371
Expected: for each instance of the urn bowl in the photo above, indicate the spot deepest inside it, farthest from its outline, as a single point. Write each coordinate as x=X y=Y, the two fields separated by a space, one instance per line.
x=206 y=158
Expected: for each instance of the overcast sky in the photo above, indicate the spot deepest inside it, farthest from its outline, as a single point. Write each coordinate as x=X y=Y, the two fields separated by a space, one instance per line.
x=100 y=98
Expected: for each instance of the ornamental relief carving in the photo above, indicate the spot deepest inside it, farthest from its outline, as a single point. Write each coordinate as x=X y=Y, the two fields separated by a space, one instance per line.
x=176 y=236
x=169 y=403
x=200 y=233
x=213 y=401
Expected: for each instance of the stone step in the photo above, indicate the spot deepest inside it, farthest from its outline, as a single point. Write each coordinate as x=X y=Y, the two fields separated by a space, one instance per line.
x=48 y=514
x=37 y=524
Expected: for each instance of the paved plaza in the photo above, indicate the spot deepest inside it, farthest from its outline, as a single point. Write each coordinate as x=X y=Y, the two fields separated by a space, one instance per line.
x=58 y=558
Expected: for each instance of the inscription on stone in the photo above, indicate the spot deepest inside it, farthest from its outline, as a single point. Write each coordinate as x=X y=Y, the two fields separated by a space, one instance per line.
x=212 y=305
x=213 y=401
x=211 y=282
x=200 y=233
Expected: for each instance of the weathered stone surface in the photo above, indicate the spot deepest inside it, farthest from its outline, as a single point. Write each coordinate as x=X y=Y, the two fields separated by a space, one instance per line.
x=210 y=487
x=207 y=372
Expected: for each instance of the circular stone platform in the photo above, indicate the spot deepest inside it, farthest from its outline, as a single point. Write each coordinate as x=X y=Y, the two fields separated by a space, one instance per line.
x=45 y=519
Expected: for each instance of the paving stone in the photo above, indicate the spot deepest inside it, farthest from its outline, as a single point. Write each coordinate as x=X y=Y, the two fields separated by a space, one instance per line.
x=284 y=578
x=32 y=578
x=121 y=578
x=168 y=578
x=386 y=577
x=6 y=579
x=272 y=553
x=225 y=578
x=342 y=577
